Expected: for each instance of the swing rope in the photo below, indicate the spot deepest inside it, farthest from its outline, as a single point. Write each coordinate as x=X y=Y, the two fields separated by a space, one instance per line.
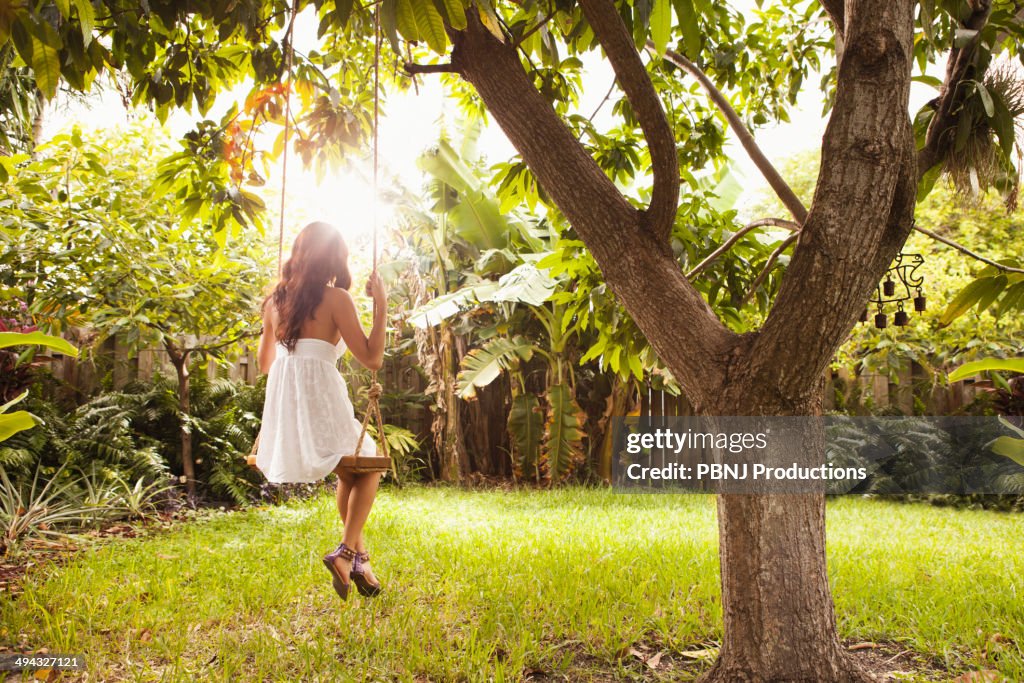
x=375 y=390
x=289 y=57
x=354 y=463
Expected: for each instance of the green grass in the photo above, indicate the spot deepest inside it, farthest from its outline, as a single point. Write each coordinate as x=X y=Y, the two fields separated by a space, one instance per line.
x=494 y=585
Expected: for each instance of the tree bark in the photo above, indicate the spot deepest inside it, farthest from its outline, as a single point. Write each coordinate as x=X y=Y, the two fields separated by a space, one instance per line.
x=777 y=609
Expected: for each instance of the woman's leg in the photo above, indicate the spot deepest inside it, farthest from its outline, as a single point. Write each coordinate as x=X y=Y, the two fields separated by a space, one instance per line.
x=344 y=489
x=343 y=493
x=354 y=496
x=360 y=500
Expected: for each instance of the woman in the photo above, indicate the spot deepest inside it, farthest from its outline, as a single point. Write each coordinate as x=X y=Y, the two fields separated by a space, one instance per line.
x=308 y=421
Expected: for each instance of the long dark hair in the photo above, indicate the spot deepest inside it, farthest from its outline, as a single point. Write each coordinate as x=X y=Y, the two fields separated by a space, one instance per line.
x=319 y=258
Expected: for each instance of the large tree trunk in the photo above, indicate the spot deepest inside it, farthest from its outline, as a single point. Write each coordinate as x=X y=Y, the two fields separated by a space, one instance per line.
x=779 y=623
x=778 y=616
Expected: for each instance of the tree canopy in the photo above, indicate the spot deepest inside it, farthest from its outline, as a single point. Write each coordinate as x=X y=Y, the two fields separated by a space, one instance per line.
x=636 y=192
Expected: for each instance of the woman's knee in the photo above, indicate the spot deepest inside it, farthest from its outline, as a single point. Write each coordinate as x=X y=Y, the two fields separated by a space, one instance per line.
x=345 y=478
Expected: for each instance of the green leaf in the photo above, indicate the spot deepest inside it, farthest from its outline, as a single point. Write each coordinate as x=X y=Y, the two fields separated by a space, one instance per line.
x=1009 y=447
x=928 y=80
x=928 y=181
x=14 y=401
x=986 y=100
x=992 y=292
x=407 y=25
x=661 y=24
x=563 y=447
x=928 y=19
x=1013 y=299
x=389 y=23
x=963 y=36
x=86 y=18
x=445 y=164
x=447 y=305
x=12 y=423
x=430 y=25
x=982 y=289
x=1003 y=124
x=454 y=11
x=986 y=365
x=46 y=58
x=8 y=339
x=526 y=427
x=489 y=18
x=343 y=10
x=482 y=366
x=524 y=284
x=687 y=14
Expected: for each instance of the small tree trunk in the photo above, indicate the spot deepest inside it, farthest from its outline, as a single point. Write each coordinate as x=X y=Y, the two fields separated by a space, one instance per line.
x=448 y=423
x=180 y=362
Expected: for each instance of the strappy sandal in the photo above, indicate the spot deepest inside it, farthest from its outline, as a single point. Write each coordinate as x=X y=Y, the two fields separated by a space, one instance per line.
x=341 y=586
x=363 y=584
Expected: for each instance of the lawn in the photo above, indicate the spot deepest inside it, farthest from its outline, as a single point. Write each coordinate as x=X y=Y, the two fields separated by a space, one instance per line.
x=563 y=585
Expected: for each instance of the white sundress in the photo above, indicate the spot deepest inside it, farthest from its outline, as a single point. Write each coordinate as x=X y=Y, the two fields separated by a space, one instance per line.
x=308 y=419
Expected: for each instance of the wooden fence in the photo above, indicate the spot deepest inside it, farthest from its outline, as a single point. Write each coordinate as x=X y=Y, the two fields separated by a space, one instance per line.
x=909 y=392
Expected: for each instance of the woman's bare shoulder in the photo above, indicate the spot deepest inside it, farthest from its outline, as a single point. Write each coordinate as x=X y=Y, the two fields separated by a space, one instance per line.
x=338 y=295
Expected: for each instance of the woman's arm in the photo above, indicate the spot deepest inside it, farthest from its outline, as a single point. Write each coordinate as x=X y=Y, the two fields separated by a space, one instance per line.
x=268 y=341
x=368 y=350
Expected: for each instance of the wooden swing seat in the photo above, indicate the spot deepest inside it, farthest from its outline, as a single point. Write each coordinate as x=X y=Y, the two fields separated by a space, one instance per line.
x=365 y=464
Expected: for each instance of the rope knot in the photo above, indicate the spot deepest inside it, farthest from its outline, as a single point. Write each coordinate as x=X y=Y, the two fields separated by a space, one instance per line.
x=374 y=391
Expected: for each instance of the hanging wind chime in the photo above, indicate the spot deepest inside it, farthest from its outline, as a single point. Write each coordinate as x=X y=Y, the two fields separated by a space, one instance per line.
x=902 y=284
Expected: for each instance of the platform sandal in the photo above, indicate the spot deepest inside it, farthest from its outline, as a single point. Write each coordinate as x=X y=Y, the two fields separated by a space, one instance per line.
x=363 y=584
x=341 y=585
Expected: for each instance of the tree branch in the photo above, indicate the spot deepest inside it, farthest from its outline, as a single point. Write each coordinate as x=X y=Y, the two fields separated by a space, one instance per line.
x=836 y=11
x=214 y=347
x=533 y=29
x=782 y=190
x=727 y=245
x=775 y=179
x=412 y=68
x=862 y=210
x=962 y=249
x=633 y=79
x=768 y=265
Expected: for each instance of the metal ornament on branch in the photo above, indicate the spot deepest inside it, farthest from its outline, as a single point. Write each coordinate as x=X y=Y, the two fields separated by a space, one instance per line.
x=901 y=285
